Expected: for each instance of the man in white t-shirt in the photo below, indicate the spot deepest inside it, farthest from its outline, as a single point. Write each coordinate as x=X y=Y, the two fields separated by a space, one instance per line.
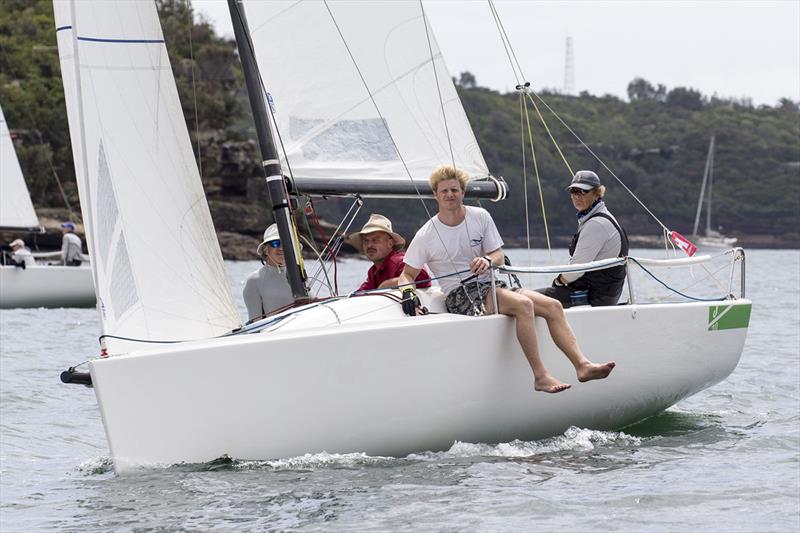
x=459 y=245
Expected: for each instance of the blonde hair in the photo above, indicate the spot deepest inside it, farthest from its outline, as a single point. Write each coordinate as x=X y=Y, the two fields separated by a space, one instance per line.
x=601 y=191
x=448 y=172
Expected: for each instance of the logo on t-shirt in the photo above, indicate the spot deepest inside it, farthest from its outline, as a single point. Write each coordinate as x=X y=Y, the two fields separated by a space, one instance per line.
x=476 y=242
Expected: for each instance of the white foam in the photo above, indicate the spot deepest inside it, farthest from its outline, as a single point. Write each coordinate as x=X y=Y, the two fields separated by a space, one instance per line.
x=317 y=460
x=97 y=465
x=574 y=438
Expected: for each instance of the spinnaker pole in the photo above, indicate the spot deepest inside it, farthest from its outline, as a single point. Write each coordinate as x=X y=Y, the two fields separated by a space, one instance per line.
x=269 y=155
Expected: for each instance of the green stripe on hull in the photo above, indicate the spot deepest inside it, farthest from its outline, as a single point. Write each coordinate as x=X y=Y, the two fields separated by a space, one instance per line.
x=728 y=316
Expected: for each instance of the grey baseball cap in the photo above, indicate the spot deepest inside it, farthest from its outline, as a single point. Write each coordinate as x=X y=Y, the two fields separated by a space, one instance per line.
x=584 y=179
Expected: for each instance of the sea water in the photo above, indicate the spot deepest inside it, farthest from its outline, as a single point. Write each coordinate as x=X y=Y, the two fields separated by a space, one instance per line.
x=726 y=459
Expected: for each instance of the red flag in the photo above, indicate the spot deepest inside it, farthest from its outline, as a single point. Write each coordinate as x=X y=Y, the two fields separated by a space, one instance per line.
x=683 y=243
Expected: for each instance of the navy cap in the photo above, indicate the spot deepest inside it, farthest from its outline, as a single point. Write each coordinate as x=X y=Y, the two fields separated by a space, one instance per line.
x=69 y=225
x=584 y=179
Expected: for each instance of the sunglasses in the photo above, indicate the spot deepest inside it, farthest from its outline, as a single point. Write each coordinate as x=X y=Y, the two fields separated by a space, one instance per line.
x=274 y=244
x=578 y=192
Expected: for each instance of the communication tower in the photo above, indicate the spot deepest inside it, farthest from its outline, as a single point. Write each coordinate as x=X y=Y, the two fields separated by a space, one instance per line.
x=569 y=69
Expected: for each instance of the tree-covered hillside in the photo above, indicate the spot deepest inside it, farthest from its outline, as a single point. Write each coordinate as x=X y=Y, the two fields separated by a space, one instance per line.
x=657 y=145
x=655 y=142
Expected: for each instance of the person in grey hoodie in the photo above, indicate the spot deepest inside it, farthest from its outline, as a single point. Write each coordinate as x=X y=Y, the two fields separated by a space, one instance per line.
x=267 y=289
x=71 y=246
x=599 y=236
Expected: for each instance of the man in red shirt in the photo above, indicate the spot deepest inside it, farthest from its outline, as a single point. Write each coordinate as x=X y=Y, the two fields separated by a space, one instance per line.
x=384 y=248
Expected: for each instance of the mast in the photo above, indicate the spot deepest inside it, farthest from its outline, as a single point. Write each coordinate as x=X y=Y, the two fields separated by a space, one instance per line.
x=269 y=155
x=709 y=159
x=710 y=185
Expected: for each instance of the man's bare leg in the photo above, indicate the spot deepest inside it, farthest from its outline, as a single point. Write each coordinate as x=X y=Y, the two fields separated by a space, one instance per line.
x=563 y=336
x=521 y=308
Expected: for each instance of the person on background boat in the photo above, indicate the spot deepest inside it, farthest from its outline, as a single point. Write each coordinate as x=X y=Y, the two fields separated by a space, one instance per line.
x=462 y=238
x=384 y=248
x=21 y=256
x=71 y=246
x=599 y=236
x=267 y=289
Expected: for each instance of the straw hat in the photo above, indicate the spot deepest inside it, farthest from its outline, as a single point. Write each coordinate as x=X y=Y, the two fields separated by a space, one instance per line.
x=377 y=223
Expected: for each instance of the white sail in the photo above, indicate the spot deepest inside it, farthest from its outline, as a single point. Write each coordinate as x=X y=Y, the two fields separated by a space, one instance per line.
x=16 y=207
x=158 y=269
x=339 y=120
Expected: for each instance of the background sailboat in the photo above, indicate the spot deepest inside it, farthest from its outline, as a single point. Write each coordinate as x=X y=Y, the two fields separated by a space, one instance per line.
x=711 y=238
x=341 y=374
x=39 y=285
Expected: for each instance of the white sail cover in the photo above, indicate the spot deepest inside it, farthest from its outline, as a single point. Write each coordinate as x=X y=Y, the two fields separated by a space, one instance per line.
x=329 y=124
x=16 y=208
x=158 y=269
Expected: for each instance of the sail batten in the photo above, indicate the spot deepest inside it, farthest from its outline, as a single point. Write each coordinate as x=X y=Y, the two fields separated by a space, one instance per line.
x=363 y=94
x=158 y=269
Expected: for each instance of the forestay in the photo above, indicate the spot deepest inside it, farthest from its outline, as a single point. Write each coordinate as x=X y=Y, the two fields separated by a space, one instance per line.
x=157 y=264
x=16 y=208
x=329 y=124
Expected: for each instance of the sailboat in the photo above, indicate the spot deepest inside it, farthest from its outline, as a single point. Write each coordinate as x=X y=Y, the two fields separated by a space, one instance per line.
x=711 y=238
x=39 y=285
x=179 y=379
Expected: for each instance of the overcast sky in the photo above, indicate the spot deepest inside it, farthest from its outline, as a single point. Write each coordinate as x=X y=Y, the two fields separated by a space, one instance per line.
x=731 y=48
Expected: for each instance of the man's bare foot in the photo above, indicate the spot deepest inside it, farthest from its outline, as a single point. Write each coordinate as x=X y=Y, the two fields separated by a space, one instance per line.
x=550 y=384
x=591 y=371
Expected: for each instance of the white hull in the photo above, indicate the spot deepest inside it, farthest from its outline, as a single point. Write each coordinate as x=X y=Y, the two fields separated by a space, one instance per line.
x=46 y=286
x=716 y=242
x=386 y=384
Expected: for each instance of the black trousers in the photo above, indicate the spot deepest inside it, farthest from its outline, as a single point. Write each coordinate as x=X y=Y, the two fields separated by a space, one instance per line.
x=563 y=295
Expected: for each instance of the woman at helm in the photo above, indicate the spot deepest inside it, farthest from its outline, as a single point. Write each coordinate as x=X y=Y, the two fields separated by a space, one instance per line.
x=599 y=236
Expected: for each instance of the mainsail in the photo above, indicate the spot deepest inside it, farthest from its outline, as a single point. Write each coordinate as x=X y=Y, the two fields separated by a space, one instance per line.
x=360 y=90
x=158 y=269
x=16 y=207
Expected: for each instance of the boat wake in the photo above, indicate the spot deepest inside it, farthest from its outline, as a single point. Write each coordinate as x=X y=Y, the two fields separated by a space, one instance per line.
x=96 y=466
x=573 y=439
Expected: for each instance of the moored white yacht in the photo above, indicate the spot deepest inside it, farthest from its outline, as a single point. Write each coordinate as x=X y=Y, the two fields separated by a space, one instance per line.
x=39 y=285
x=710 y=238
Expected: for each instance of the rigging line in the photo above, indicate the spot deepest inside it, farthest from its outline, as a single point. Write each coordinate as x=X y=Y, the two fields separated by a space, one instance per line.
x=711 y=276
x=538 y=180
x=506 y=43
x=601 y=162
x=674 y=290
x=334 y=244
x=524 y=173
x=194 y=89
x=438 y=89
x=550 y=133
x=515 y=66
x=388 y=131
x=372 y=99
x=325 y=272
